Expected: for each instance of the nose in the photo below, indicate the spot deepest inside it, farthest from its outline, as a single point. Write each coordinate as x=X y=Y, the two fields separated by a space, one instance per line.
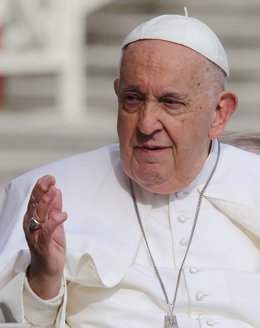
x=148 y=119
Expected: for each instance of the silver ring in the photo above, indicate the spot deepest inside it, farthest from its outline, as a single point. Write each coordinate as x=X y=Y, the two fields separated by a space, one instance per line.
x=34 y=224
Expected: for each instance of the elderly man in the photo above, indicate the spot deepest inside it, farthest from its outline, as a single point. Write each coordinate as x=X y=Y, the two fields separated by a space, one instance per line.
x=162 y=230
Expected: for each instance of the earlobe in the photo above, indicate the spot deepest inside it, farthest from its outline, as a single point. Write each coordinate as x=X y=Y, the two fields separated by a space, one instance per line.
x=116 y=86
x=225 y=108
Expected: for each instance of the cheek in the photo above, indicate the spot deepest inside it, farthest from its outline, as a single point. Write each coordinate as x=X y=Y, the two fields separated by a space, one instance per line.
x=121 y=126
x=177 y=129
x=125 y=137
x=126 y=127
x=184 y=133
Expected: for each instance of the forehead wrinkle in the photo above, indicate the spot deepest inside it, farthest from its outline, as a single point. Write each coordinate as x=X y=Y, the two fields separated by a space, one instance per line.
x=152 y=51
x=150 y=59
x=142 y=62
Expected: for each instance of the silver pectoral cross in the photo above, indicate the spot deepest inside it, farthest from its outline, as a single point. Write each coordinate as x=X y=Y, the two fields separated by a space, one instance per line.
x=170 y=321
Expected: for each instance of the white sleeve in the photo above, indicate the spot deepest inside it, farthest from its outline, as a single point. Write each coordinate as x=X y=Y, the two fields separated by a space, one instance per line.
x=22 y=308
x=43 y=313
x=11 y=306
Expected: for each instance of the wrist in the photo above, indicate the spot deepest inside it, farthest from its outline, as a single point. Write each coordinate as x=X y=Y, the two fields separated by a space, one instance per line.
x=44 y=285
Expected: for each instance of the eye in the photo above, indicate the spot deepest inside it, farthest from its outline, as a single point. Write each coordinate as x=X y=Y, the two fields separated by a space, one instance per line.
x=172 y=103
x=131 y=101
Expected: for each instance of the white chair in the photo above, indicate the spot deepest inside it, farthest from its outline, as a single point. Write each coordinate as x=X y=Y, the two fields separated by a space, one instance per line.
x=59 y=28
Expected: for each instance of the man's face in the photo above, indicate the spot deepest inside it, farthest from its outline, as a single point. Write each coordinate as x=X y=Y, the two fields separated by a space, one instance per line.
x=164 y=114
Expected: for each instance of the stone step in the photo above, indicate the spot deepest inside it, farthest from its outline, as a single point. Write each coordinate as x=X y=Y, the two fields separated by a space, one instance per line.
x=232 y=30
x=104 y=60
x=28 y=141
x=176 y=6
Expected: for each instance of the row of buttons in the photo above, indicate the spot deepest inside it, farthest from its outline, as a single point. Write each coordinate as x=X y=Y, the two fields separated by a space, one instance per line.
x=200 y=296
x=182 y=219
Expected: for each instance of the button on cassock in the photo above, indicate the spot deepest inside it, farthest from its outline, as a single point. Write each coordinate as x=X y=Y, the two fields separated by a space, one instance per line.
x=200 y=296
x=184 y=242
x=182 y=218
x=194 y=269
x=211 y=322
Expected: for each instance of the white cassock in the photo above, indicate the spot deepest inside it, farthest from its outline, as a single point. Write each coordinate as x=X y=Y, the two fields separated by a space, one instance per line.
x=110 y=282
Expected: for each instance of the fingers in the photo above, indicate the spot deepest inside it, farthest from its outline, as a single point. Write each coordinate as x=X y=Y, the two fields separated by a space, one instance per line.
x=45 y=203
x=54 y=224
x=57 y=200
x=49 y=211
x=41 y=187
x=44 y=208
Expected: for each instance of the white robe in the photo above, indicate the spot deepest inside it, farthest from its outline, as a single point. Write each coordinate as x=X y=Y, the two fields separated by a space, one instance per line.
x=111 y=284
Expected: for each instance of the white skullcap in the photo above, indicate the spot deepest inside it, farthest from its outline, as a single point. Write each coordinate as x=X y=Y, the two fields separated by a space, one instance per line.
x=183 y=30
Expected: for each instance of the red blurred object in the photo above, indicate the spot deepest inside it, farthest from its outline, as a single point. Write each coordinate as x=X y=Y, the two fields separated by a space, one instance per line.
x=2 y=78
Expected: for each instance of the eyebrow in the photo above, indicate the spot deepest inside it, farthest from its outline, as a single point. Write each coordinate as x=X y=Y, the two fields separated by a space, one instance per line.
x=175 y=95
x=136 y=88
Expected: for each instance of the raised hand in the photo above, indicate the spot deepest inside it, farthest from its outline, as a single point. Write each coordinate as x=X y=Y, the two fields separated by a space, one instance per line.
x=44 y=232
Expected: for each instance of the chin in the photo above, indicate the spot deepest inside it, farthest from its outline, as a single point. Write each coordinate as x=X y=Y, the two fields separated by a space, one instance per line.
x=150 y=179
x=157 y=188
x=151 y=183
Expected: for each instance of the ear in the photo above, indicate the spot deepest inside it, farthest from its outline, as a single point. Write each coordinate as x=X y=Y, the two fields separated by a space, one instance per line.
x=116 y=86
x=225 y=108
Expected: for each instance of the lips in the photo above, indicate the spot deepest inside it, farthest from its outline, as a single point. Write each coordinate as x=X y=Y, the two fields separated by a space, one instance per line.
x=151 y=150
x=151 y=154
x=150 y=147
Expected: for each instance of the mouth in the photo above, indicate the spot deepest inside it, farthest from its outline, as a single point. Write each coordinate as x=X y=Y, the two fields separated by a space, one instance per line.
x=151 y=148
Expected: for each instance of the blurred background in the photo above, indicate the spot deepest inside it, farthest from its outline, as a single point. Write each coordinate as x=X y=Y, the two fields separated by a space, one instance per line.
x=58 y=60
